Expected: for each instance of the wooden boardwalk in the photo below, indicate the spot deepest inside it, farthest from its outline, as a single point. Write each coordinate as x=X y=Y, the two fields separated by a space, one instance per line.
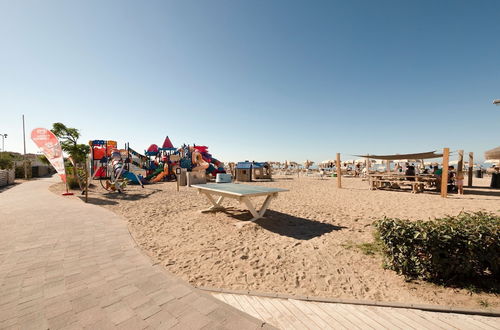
x=299 y=314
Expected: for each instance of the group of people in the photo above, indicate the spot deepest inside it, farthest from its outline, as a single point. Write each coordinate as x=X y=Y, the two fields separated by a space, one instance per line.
x=455 y=178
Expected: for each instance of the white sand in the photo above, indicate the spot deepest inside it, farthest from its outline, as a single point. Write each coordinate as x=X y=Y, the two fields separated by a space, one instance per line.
x=305 y=246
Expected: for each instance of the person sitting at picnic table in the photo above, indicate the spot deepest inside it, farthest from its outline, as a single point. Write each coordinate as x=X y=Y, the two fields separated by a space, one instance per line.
x=451 y=179
x=397 y=168
x=410 y=173
x=438 y=173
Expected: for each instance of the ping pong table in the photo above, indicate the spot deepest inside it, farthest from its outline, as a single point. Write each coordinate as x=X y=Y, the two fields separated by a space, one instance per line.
x=241 y=192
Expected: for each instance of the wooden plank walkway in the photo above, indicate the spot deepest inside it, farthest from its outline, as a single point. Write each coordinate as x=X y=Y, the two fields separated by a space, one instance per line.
x=300 y=314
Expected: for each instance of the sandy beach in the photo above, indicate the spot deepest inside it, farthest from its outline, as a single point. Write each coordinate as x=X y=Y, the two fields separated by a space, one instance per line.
x=306 y=245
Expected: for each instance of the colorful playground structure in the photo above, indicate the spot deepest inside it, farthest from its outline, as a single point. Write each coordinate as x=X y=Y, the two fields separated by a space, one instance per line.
x=117 y=167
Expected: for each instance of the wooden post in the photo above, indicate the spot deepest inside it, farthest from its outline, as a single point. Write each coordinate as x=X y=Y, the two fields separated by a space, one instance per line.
x=471 y=168
x=87 y=174
x=460 y=165
x=444 y=175
x=388 y=166
x=339 y=172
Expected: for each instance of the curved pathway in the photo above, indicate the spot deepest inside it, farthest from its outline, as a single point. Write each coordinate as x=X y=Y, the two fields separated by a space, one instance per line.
x=67 y=264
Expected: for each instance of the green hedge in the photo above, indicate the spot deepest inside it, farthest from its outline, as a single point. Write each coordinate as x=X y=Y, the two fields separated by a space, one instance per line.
x=443 y=250
x=6 y=161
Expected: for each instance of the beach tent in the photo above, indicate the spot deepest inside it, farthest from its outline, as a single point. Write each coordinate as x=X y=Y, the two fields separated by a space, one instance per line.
x=405 y=157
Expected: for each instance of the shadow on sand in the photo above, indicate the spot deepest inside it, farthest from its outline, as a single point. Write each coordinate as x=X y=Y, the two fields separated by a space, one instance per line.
x=484 y=191
x=112 y=198
x=286 y=224
x=98 y=201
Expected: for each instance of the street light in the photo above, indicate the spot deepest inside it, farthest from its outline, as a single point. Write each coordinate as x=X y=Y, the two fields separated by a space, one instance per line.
x=4 y=136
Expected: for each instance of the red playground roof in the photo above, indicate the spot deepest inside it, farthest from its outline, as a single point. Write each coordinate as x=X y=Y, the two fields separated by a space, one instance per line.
x=167 y=143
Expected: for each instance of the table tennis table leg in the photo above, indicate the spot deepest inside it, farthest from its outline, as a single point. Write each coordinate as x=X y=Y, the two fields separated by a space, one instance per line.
x=216 y=205
x=257 y=214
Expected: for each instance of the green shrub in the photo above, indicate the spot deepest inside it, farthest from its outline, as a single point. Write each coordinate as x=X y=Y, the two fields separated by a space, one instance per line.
x=72 y=182
x=19 y=171
x=6 y=161
x=443 y=250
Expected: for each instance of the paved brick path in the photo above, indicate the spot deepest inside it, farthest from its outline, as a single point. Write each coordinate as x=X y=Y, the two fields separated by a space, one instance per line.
x=66 y=264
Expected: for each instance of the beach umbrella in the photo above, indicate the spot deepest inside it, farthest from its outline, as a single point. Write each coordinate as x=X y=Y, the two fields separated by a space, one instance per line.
x=492 y=154
x=308 y=163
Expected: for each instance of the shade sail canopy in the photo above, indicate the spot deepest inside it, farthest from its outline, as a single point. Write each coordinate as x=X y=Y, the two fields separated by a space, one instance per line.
x=421 y=155
x=492 y=154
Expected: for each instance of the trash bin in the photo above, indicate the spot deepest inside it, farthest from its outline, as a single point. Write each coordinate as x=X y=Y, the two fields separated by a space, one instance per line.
x=495 y=180
x=479 y=173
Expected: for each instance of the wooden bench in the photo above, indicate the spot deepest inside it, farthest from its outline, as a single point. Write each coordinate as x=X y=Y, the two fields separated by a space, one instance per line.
x=418 y=185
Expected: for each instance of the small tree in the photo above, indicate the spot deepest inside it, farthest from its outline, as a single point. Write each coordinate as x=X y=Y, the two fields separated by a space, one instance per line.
x=68 y=137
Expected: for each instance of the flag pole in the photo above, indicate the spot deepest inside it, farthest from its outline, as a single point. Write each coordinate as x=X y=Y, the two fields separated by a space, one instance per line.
x=24 y=161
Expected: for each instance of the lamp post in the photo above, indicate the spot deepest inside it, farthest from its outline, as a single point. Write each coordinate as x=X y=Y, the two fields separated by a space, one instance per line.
x=4 y=136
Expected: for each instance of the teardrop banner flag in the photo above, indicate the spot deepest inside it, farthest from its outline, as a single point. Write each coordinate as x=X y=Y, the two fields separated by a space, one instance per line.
x=49 y=145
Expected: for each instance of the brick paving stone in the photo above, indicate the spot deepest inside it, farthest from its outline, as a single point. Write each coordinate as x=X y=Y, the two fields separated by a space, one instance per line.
x=119 y=312
x=134 y=323
x=136 y=299
x=162 y=320
x=10 y=323
x=91 y=316
x=204 y=305
x=127 y=290
x=101 y=325
x=62 y=320
x=148 y=309
x=190 y=298
x=80 y=304
x=161 y=297
x=33 y=321
x=240 y=323
x=58 y=308
x=194 y=319
x=179 y=291
x=220 y=313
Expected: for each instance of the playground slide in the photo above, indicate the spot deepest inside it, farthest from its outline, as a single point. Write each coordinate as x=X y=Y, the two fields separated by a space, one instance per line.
x=133 y=178
x=159 y=177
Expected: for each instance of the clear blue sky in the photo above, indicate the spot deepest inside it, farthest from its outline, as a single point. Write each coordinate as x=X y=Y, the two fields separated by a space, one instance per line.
x=262 y=80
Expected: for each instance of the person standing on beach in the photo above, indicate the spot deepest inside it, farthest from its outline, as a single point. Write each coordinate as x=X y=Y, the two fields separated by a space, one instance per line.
x=459 y=181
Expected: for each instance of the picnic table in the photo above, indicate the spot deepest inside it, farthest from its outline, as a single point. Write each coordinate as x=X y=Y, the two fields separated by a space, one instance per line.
x=417 y=182
x=216 y=192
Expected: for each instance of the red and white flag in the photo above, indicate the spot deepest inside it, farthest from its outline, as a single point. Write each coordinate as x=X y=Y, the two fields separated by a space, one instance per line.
x=49 y=145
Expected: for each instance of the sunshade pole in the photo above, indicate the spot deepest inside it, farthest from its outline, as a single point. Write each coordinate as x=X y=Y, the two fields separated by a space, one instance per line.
x=444 y=176
x=339 y=172
x=471 y=168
